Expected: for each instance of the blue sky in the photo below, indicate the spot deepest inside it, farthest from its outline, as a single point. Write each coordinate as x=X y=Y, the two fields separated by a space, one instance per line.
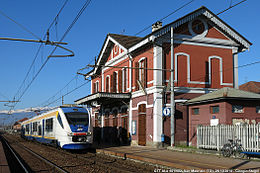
x=87 y=36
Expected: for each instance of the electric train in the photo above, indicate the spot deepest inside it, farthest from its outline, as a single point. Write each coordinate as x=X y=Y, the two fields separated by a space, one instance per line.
x=65 y=127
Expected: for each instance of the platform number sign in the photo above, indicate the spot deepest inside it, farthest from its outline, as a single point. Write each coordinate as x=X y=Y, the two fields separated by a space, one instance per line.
x=166 y=111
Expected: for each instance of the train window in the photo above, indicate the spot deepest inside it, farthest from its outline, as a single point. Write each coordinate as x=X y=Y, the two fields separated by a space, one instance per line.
x=39 y=130
x=27 y=128
x=49 y=125
x=59 y=120
x=77 y=118
x=34 y=127
x=31 y=128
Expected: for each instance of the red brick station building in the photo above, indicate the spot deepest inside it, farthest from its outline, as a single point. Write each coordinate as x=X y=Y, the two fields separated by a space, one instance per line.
x=128 y=90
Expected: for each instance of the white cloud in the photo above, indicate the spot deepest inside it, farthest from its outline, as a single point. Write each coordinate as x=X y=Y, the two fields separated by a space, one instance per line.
x=27 y=110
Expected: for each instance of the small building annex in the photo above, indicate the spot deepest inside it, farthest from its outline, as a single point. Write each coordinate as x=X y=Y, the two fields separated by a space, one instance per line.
x=131 y=73
x=17 y=124
x=251 y=86
x=224 y=106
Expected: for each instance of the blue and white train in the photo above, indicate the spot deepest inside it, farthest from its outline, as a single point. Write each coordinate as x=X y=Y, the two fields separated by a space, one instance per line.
x=65 y=127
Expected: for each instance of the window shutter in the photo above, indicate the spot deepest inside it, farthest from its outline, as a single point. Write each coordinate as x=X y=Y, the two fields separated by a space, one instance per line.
x=114 y=82
x=107 y=80
x=94 y=87
x=125 y=73
x=120 y=81
x=136 y=75
x=111 y=83
x=145 y=73
x=97 y=86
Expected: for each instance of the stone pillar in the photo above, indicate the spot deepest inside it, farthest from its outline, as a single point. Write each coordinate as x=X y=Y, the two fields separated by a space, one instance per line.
x=157 y=96
x=235 y=68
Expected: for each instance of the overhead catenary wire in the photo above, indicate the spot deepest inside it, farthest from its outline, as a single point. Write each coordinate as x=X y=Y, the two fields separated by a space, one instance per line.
x=144 y=68
x=75 y=78
x=211 y=73
x=20 y=25
x=183 y=31
x=4 y=96
x=50 y=55
x=37 y=53
x=160 y=20
x=48 y=100
x=69 y=92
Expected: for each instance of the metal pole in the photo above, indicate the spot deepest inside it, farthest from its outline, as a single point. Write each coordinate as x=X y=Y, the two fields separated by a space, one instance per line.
x=9 y=101
x=172 y=91
x=30 y=40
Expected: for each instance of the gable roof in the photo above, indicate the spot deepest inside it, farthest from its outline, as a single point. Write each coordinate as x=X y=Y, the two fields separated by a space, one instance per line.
x=20 y=121
x=251 y=86
x=125 y=40
x=224 y=93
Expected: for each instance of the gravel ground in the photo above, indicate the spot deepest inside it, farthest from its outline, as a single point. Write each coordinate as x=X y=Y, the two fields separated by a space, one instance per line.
x=81 y=161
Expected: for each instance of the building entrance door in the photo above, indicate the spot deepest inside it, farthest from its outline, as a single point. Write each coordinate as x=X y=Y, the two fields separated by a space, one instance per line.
x=142 y=124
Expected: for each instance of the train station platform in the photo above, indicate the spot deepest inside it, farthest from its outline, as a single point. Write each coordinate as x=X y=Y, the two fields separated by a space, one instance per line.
x=180 y=160
x=4 y=168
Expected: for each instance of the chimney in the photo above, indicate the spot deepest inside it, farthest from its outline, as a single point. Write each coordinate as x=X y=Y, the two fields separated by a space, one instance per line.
x=225 y=93
x=157 y=25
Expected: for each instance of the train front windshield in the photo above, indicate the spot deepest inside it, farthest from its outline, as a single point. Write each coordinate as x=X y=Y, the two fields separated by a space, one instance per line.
x=77 y=118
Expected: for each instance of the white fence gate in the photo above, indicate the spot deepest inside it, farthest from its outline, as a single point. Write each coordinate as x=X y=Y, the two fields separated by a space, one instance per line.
x=214 y=137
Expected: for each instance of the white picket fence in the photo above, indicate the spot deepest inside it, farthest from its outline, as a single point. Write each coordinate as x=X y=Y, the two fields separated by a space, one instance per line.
x=214 y=137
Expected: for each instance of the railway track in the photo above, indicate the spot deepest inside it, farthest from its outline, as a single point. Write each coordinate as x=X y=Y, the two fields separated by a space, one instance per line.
x=15 y=163
x=19 y=163
x=56 y=160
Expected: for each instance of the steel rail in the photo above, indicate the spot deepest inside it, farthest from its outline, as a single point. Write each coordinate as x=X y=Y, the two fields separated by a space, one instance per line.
x=48 y=162
x=15 y=155
x=44 y=159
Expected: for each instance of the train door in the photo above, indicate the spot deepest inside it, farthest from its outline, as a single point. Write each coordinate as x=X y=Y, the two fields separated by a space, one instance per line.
x=142 y=124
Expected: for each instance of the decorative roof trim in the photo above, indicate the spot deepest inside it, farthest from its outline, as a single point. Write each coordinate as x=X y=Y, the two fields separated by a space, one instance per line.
x=101 y=95
x=219 y=99
x=109 y=38
x=212 y=17
x=226 y=29
x=177 y=23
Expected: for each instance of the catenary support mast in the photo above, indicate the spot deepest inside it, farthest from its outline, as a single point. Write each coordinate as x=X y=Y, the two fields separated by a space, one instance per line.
x=172 y=91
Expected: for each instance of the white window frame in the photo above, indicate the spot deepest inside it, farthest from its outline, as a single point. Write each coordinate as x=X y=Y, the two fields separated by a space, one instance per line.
x=257 y=109
x=236 y=109
x=97 y=86
x=141 y=61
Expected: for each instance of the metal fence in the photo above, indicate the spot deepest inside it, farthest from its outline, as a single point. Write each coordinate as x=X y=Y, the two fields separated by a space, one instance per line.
x=214 y=137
